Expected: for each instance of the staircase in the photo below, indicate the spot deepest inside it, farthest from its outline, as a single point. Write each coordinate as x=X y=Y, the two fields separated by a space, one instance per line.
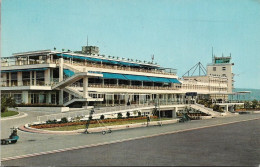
x=78 y=96
x=74 y=68
x=68 y=81
x=205 y=110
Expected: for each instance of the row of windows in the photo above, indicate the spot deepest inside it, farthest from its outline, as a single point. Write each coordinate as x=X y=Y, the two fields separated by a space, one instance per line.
x=215 y=68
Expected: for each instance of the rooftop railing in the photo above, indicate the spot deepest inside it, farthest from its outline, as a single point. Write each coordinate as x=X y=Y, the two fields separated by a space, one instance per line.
x=12 y=62
x=115 y=67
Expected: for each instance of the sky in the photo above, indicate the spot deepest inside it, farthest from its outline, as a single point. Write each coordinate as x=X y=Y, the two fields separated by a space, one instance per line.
x=179 y=33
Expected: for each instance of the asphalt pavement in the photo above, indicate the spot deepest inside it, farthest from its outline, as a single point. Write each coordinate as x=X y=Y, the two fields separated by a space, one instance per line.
x=235 y=144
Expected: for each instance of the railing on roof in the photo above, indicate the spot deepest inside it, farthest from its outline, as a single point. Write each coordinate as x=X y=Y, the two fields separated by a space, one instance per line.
x=13 y=62
x=117 y=67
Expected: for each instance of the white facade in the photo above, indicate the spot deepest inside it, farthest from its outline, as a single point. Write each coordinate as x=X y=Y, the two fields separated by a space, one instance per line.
x=222 y=69
x=76 y=79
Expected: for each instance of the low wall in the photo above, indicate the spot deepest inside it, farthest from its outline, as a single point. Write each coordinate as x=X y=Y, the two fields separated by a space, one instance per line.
x=44 y=109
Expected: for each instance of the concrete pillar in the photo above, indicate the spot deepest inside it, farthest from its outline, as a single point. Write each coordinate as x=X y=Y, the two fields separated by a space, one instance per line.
x=103 y=82
x=47 y=76
x=61 y=97
x=48 y=59
x=34 y=76
x=25 y=97
x=31 y=78
x=4 y=79
x=113 y=100
x=85 y=87
x=61 y=61
x=49 y=98
x=226 y=108
x=117 y=83
x=10 y=79
x=28 y=60
x=174 y=111
x=19 y=78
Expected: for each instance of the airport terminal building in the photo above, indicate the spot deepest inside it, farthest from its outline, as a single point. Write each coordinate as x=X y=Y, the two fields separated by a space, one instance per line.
x=86 y=78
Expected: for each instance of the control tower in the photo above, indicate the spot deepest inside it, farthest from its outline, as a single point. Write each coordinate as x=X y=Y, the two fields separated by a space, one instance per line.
x=222 y=66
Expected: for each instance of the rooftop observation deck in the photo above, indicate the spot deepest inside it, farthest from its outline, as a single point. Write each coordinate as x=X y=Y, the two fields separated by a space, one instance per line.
x=52 y=57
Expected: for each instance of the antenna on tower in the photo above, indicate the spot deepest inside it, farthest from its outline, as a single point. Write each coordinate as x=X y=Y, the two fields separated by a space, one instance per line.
x=212 y=55
x=87 y=40
x=152 y=58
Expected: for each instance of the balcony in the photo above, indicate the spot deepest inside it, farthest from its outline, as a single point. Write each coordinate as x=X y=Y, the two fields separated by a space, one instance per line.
x=131 y=87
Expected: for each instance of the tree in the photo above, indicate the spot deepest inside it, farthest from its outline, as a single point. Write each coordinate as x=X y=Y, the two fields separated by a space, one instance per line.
x=246 y=104
x=7 y=102
x=254 y=104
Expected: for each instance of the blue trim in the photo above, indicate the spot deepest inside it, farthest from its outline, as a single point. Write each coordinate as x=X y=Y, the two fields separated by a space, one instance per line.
x=20 y=70
x=137 y=78
x=68 y=72
x=174 y=80
x=113 y=76
x=158 y=79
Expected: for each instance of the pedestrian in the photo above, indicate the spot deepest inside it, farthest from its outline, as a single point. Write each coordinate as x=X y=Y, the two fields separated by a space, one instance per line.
x=148 y=119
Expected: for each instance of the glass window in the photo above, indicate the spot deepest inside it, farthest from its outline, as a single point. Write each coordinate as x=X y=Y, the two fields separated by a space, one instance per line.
x=39 y=74
x=224 y=68
x=214 y=68
x=14 y=76
x=26 y=75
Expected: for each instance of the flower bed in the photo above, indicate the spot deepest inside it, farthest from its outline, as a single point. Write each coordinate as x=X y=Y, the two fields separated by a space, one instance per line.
x=84 y=122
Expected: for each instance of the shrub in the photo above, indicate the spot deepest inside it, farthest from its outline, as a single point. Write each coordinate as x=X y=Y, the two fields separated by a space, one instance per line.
x=254 y=104
x=64 y=120
x=119 y=115
x=139 y=113
x=102 y=117
x=51 y=121
x=128 y=114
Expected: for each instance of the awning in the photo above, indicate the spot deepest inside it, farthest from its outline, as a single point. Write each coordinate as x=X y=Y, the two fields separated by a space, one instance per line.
x=174 y=80
x=137 y=78
x=113 y=76
x=158 y=79
x=68 y=72
x=21 y=70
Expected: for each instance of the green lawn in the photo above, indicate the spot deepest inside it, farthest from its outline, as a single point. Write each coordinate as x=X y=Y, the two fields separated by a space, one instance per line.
x=76 y=127
x=9 y=113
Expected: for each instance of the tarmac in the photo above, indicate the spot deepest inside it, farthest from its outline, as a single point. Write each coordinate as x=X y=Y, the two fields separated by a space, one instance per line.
x=230 y=141
x=31 y=144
